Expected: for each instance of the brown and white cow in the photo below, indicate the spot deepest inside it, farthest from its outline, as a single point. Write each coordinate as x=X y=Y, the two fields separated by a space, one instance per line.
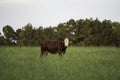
x=54 y=47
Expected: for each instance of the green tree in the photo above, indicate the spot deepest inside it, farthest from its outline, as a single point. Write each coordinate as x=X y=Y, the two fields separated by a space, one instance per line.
x=116 y=34
x=71 y=25
x=48 y=33
x=107 y=31
x=2 y=40
x=26 y=36
x=63 y=30
x=18 y=31
x=37 y=36
x=9 y=35
x=96 y=32
x=86 y=31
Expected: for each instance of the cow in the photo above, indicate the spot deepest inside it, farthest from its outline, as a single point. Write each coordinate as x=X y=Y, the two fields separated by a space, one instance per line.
x=54 y=47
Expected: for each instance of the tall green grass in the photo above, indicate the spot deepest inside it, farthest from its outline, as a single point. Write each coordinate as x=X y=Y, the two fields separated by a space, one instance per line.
x=79 y=63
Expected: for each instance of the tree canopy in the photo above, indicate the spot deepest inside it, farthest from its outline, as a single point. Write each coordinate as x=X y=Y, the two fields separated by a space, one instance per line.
x=83 y=32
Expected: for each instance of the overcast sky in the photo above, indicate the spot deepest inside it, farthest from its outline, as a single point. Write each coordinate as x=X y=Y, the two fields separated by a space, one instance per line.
x=18 y=13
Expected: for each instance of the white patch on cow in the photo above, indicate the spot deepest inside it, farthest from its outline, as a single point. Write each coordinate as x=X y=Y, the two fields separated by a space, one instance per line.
x=66 y=42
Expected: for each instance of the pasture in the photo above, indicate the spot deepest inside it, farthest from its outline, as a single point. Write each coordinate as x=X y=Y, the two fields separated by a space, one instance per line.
x=78 y=63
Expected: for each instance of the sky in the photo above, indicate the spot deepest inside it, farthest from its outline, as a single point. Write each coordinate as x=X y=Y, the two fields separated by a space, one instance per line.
x=18 y=13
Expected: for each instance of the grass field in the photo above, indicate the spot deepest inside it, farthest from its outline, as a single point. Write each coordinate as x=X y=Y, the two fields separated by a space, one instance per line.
x=79 y=63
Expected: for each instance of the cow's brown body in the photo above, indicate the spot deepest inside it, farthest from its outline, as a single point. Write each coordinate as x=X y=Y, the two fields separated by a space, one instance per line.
x=53 y=47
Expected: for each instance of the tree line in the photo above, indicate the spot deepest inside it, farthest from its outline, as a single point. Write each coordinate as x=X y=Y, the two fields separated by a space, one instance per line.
x=82 y=32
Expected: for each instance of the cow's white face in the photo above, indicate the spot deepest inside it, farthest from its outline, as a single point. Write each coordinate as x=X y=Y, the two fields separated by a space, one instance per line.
x=66 y=42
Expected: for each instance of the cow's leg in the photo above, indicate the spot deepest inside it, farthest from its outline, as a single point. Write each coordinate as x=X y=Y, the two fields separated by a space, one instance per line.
x=42 y=52
x=46 y=53
x=61 y=54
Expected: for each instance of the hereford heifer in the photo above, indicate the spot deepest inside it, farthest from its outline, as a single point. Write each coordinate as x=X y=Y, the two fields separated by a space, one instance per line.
x=54 y=46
